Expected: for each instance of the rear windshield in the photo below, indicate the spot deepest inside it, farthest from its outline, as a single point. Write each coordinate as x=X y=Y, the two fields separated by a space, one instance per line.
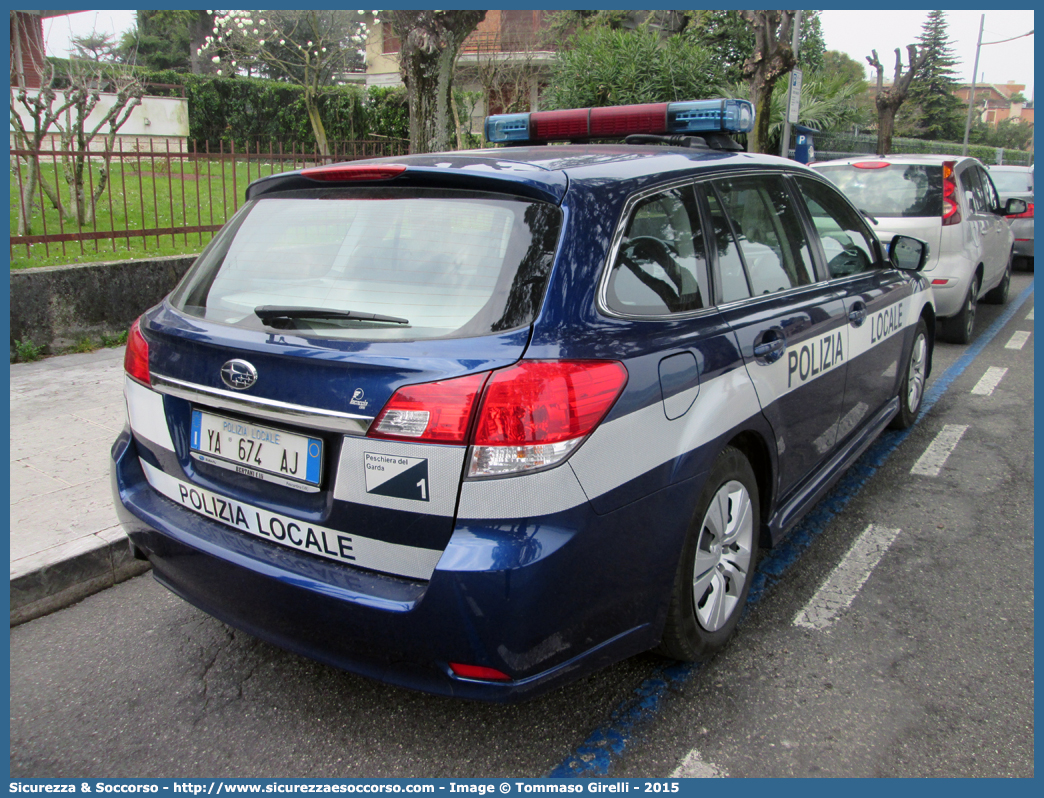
x=1012 y=182
x=449 y=264
x=896 y=189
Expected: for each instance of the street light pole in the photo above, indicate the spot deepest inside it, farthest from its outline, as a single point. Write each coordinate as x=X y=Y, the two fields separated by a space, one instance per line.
x=971 y=96
x=784 y=148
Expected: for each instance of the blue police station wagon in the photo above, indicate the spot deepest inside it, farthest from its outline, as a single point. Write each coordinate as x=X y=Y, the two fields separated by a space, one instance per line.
x=478 y=423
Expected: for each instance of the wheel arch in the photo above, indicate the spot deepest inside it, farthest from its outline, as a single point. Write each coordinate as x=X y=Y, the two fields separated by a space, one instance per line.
x=928 y=315
x=754 y=447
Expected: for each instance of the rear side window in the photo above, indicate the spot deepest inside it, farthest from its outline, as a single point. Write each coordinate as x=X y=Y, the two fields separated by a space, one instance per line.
x=992 y=200
x=731 y=274
x=894 y=189
x=971 y=183
x=768 y=229
x=661 y=264
x=451 y=264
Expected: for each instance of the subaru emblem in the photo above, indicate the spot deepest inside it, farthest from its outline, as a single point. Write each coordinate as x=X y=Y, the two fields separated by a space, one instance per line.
x=238 y=374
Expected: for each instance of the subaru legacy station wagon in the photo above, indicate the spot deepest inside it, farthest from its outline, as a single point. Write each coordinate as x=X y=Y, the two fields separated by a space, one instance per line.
x=478 y=423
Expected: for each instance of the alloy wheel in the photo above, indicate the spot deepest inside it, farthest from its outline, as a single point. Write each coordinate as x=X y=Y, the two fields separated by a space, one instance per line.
x=915 y=375
x=723 y=555
x=973 y=301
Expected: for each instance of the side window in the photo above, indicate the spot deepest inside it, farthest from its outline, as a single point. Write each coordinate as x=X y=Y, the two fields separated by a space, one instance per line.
x=848 y=247
x=661 y=266
x=972 y=187
x=731 y=274
x=769 y=232
x=992 y=200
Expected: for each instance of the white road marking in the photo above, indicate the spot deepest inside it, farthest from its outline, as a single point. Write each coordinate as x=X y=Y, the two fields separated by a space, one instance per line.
x=934 y=458
x=1029 y=317
x=1018 y=340
x=693 y=767
x=989 y=381
x=840 y=589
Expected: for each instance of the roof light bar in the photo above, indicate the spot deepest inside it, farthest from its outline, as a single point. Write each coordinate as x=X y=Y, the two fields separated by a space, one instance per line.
x=577 y=124
x=711 y=116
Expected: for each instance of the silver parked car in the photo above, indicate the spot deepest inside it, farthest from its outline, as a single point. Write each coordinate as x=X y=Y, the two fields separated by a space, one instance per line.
x=951 y=203
x=1017 y=181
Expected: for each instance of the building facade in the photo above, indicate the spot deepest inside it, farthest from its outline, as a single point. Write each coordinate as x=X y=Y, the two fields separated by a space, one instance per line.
x=505 y=62
x=995 y=104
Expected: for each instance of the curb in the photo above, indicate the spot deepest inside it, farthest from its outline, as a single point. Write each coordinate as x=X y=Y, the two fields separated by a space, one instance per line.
x=63 y=580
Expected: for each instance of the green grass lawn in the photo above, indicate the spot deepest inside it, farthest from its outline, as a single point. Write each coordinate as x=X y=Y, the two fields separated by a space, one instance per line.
x=143 y=192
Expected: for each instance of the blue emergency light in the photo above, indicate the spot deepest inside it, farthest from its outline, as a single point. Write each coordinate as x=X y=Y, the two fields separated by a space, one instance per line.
x=679 y=118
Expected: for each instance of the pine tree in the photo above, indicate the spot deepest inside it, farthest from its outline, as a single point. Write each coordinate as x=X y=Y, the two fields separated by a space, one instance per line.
x=939 y=115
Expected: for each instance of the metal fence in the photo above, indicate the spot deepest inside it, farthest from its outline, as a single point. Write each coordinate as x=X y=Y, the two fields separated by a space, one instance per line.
x=153 y=194
x=844 y=145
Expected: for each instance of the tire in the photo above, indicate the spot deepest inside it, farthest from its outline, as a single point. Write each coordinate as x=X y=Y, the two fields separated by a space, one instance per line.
x=911 y=389
x=958 y=329
x=717 y=562
x=998 y=295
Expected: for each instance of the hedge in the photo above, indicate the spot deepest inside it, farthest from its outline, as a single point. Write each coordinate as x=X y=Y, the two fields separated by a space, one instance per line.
x=837 y=145
x=222 y=109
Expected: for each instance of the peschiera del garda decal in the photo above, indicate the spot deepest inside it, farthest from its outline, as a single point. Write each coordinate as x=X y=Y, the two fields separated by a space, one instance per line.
x=398 y=477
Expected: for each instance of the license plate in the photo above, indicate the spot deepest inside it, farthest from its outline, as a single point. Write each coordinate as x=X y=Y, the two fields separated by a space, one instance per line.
x=265 y=453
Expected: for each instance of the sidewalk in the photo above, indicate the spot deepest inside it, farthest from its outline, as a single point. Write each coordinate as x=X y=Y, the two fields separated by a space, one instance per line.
x=66 y=542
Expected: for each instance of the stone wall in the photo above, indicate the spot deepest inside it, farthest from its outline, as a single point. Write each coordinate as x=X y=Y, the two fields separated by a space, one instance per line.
x=57 y=306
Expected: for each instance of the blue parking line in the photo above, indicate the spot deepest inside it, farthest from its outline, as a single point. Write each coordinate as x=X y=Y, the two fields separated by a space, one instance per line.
x=609 y=742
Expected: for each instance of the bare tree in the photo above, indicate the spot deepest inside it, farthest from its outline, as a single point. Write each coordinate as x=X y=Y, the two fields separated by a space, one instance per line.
x=507 y=71
x=773 y=57
x=67 y=116
x=889 y=99
x=44 y=114
x=429 y=44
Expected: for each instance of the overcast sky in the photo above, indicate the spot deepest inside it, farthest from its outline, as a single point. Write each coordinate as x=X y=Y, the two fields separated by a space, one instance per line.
x=859 y=32
x=852 y=32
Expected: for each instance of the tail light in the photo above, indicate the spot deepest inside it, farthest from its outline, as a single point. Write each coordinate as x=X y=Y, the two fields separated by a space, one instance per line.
x=136 y=357
x=871 y=164
x=531 y=415
x=951 y=213
x=1027 y=215
x=535 y=413
x=478 y=672
x=432 y=412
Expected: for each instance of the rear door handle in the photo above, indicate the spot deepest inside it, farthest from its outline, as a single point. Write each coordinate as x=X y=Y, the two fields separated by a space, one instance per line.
x=769 y=346
x=857 y=314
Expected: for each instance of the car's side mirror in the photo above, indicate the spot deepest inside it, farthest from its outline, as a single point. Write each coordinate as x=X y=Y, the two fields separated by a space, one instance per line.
x=1013 y=207
x=908 y=253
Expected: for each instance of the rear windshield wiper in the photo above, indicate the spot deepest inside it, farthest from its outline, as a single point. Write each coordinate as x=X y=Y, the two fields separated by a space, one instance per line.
x=270 y=313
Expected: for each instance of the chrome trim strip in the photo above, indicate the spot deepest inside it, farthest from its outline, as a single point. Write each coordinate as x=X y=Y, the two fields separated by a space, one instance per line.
x=316 y=418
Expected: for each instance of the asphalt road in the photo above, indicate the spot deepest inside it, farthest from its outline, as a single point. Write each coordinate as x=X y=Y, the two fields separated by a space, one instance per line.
x=928 y=672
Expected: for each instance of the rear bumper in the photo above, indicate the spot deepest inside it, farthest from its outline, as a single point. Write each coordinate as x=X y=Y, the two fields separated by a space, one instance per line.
x=1022 y=229
x=957 y=271
x=543 y=600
